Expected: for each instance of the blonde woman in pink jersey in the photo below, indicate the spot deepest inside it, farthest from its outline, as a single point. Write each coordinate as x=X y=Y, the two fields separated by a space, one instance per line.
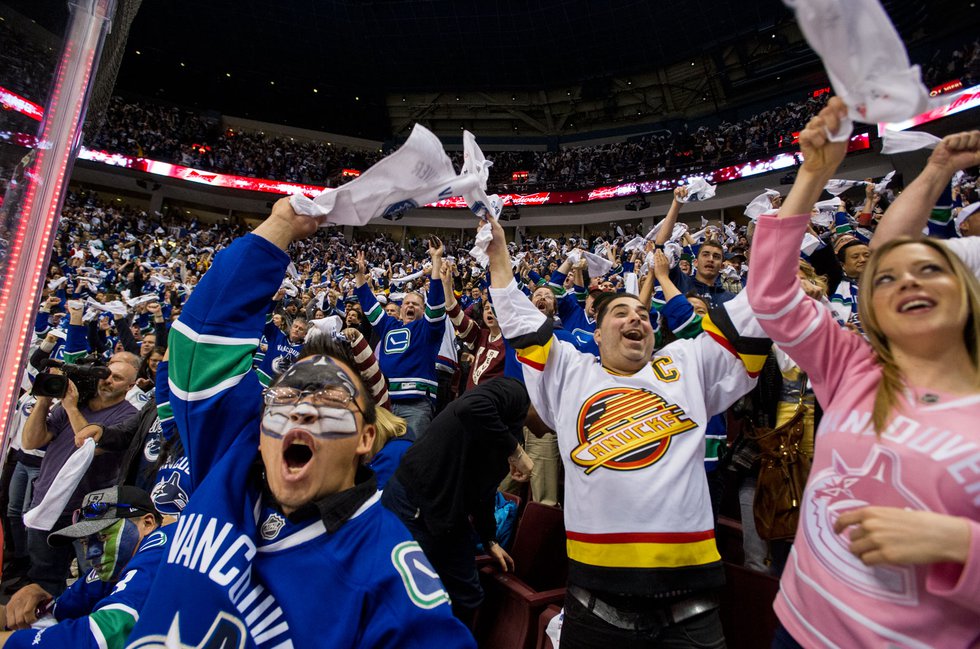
x=887 y=553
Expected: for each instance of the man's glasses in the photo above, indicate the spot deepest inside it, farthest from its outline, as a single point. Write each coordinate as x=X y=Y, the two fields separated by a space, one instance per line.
x=321 y=397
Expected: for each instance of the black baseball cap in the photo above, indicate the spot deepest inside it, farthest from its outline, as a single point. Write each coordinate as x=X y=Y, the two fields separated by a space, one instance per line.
x=101 y=509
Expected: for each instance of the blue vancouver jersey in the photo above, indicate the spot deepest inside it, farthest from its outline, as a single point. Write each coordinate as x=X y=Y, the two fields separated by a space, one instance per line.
x=93 y=614
x=280 y=353
x=407 y=352
x=236 y=574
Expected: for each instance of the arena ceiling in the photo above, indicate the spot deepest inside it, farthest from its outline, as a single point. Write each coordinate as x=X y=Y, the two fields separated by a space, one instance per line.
x=345 y=65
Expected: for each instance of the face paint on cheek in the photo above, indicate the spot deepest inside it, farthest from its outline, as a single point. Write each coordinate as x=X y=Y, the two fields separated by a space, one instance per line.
x=334 y=421
x=110 y=556
x=319 y=421
x=275 y=420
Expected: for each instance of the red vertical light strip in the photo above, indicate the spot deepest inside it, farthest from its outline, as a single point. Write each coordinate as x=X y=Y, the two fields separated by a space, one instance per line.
x=31 y=249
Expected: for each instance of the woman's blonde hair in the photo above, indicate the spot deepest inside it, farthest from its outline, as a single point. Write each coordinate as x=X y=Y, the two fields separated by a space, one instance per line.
x=892 y=383
x=811 y=274
x=388 y=426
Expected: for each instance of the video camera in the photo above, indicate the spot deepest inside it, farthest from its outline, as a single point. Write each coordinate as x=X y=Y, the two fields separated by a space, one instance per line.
x=85 y=374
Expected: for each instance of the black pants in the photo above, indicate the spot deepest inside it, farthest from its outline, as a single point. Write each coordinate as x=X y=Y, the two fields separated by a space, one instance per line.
x=582 y=629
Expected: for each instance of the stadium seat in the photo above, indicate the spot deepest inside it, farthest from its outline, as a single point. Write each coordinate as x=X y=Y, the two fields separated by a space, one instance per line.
x=746 y=608
x=544 y=642
x=508 y=618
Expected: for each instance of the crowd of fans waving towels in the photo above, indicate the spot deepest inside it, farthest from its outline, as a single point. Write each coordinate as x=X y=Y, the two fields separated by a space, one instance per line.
x=263 y=387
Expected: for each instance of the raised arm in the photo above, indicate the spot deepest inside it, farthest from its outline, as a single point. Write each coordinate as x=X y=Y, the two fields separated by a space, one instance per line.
x=214 y=390
x=667 y=226
x=909 y=213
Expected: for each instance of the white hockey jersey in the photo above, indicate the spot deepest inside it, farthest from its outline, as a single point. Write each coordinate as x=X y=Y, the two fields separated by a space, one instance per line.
x=637 y=513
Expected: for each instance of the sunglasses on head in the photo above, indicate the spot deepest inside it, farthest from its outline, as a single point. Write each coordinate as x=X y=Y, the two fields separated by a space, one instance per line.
x=95 y=511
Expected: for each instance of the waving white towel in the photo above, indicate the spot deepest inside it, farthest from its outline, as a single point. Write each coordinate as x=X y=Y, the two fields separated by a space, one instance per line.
x=698 y=189
x=115 y=307
x=865 y=60
x=418 y=173
x=904 y=141
x=598 y=266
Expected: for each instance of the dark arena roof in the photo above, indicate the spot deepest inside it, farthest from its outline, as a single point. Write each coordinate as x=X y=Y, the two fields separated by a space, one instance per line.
x=344 y=66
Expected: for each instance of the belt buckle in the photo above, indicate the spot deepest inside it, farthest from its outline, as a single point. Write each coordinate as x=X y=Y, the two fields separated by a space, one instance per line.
x=692 y=607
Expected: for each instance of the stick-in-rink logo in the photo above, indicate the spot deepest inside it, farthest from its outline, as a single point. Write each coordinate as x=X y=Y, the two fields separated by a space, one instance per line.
x=626 y=429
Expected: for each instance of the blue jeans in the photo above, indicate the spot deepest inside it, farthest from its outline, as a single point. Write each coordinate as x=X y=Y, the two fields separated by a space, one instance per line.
x=20 y=494
x=417 y=412
x=783 y=640
x=49 y=566
x=450 y=553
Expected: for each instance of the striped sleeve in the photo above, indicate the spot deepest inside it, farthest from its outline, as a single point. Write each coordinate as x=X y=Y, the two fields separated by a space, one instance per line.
x=527 y=330
x=803 y=328
x=466 y=329
x=214 y=392
x=375 y=315
x=681 y=318
x=370 y=370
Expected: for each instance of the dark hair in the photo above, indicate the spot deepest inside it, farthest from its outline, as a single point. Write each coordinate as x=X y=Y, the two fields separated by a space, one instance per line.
x=144 y=371
x=713 y=243
x=601 y=304
x=340 y=350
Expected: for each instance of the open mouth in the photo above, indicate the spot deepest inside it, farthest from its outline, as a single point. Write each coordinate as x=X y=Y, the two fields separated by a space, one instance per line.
x=297 y=451
x=633 y=334
x=917 y=305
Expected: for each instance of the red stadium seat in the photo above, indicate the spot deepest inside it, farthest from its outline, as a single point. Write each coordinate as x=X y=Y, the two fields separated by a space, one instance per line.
x=544 y=642
x=746 y=608
x=508 y=618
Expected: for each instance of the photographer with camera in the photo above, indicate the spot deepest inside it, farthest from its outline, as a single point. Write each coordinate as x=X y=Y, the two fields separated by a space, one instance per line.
x=85 y=399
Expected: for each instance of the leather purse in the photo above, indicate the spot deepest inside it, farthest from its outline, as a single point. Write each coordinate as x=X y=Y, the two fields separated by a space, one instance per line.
x=783 y=470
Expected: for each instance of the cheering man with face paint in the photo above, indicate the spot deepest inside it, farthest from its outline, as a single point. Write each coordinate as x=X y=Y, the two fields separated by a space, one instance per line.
x=117 y=529
x=284 y=542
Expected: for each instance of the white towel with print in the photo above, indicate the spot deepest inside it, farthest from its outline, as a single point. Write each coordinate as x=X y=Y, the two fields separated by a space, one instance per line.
x=52 y=506
x=865 y=59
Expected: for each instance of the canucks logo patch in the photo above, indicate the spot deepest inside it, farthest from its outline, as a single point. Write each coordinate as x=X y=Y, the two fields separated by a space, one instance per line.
x=272 y=526
x=397 y=341
x=625 y=429
x=419 y=577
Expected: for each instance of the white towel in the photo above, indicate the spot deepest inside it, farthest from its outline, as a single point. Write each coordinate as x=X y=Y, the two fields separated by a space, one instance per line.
x=115 y=307
x=484 y=235
x=476 y=167
x=637 y=243
x=598 y=266
x=291 y=271
x=698 y=189
x=407 y=278
x=329 y=326
x=837 y=186
x=55 y=284
x=136 y=301
x=760 y=204
x=289 y=288
x=418 y=173
x=865 y=60
x=52 y=506
x=810 y=244
x=904 y=141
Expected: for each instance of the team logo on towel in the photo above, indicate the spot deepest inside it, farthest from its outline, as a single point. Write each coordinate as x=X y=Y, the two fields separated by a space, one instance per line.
x=625 y=429
x=272 y=526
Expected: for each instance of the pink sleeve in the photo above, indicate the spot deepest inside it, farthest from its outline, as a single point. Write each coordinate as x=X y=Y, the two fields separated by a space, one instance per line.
x=959 y=584
x=801 y=326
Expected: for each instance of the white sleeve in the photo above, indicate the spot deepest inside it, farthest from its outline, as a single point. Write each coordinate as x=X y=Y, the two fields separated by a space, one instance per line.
x=968 y=250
